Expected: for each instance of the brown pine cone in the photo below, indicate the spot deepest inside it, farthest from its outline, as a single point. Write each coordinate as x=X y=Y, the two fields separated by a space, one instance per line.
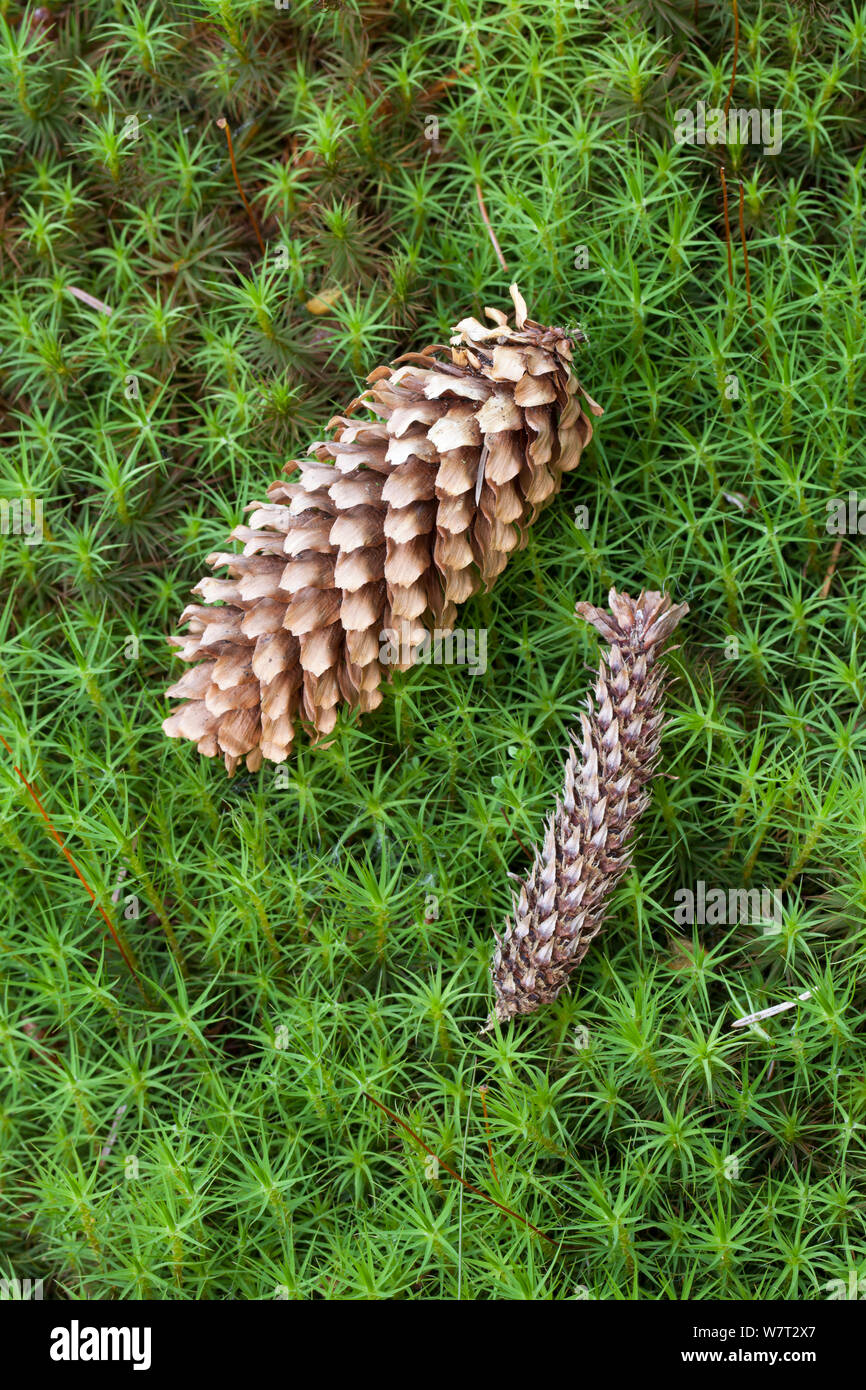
x=391 y=524
x=586 y=850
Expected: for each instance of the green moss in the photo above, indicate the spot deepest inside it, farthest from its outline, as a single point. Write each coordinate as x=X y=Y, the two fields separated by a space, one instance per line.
x=311 y=936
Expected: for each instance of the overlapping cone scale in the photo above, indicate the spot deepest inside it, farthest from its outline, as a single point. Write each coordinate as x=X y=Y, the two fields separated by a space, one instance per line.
x=393 y=521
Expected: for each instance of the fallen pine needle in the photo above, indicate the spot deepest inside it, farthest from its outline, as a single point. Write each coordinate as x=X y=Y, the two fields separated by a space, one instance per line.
x=831 y=569
x=468 y=1185
x=90 y=299
x=490 y=231
x=768 y=1013
x=44 y=814
x=727 y=225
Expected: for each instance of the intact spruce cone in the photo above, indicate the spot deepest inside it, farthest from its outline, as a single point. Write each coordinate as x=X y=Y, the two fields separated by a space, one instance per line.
x=392 y=523
x=562 y=904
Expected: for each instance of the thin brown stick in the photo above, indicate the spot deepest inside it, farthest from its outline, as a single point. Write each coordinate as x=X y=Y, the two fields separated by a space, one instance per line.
x=224 y=125
x=476 y=1191
x=490 y=231
x=831 y=568
x=745 y=252
x=482 y=1091
x=44 y=814
x=736 y=53
x=504 y=809
x=727 y=225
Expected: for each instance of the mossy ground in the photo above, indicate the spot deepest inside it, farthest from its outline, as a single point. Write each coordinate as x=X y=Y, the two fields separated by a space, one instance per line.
x=304 y=938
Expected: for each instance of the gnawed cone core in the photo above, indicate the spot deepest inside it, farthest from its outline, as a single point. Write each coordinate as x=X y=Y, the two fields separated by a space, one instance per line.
x=392 y=523
x=562 y=903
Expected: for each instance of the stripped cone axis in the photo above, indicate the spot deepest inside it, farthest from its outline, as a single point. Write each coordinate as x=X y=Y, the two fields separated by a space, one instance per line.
x=586 y=849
